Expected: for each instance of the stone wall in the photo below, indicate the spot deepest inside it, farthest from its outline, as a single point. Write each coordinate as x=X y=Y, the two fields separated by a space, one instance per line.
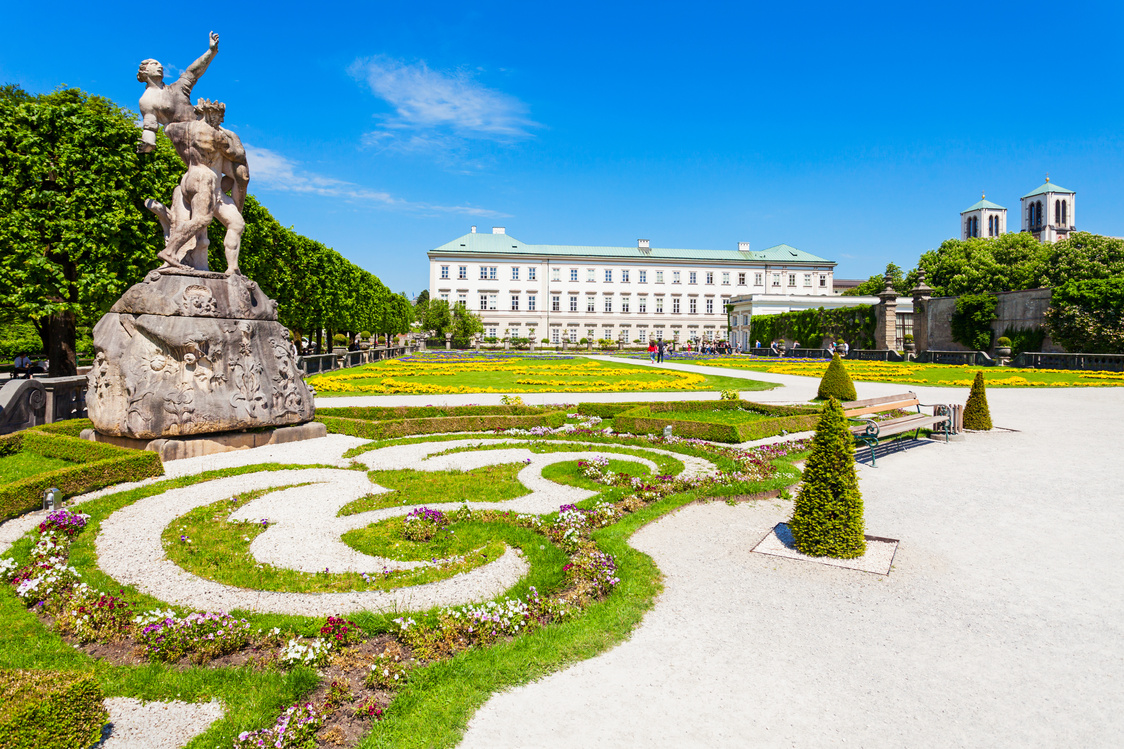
x=1021 y=310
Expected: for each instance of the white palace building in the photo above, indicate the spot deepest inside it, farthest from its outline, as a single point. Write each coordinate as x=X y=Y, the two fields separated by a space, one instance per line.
x=635 y=293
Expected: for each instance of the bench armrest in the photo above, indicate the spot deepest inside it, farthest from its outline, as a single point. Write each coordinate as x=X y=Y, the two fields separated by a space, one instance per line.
x=871 y=424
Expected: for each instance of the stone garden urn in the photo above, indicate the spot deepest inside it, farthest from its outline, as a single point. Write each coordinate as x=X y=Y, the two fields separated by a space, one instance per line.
x=448 y=341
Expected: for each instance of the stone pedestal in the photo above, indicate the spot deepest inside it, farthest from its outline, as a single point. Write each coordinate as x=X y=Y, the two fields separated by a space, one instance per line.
x=175 y=448
x=189 y=352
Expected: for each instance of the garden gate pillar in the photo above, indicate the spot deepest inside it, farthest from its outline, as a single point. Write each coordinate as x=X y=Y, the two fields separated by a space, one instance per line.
x=886 y=329
x=921 y=295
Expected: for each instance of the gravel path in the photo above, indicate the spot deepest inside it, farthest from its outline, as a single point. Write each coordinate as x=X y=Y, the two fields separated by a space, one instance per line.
x=156 y=725
x=1001 y=623
x=130 y=550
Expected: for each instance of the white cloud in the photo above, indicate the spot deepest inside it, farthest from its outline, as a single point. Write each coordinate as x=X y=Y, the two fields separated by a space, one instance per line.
x=271 y=170
x=434 y=110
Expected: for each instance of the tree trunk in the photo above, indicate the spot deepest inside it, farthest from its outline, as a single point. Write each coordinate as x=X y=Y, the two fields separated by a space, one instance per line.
x=319 y=340
x=61 y=336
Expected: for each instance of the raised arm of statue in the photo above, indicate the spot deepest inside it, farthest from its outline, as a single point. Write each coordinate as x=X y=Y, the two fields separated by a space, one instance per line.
x=196 y=69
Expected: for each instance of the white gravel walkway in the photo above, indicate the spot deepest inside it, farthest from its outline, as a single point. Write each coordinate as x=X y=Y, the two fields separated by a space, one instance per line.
x=130 y=550
x=1001 y=623
x=156 y=725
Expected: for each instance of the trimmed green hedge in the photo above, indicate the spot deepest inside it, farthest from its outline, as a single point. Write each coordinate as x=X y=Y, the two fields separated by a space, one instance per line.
x=606 y=410
x=381 y=430
x=67 y=427
x=645 y=420
x=389 y=413
x=810 y=327
x=97 y=465
x=49 y=709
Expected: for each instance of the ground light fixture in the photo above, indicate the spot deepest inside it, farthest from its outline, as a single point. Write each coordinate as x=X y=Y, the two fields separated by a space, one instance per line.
x=51 y=499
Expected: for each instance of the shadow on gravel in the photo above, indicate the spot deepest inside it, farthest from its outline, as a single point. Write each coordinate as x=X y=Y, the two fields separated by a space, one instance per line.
x=862 y=452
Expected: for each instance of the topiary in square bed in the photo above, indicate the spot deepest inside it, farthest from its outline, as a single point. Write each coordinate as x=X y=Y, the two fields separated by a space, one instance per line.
x=49 y=709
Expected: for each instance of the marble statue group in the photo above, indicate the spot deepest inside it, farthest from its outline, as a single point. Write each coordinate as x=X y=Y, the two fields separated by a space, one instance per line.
x=188 y=351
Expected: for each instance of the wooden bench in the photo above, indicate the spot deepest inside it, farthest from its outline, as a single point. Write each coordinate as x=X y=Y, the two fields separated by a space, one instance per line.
x=869 y=430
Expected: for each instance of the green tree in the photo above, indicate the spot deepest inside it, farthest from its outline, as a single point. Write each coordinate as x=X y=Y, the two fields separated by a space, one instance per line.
x=1083 y=256
x=465 y=325
x=1088 y=316
x=971 y=322
x=438 y=317
x=1010 y=262
x=73 y=227
x=827 y=519
x=874 y=285
x=420 y=305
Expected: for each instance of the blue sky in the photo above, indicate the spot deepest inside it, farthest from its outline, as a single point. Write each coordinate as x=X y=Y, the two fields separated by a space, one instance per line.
x=855 y=131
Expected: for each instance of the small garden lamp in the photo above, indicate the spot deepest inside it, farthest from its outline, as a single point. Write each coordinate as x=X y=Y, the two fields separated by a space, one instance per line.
x=51 y=499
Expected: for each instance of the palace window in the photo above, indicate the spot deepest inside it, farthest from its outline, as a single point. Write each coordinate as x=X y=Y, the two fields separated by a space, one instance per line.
x=675 y=276
x=758 y=279
x=573 y=303
x=643 y=276
x=692 y=277
x=791 y=279
x=659 y=304
x=530 y=302
x=725 y=279
x=531 y=273
x=515 y=273
x=493 y=301
x=444 y=271
x=659 y=276
x=608 y=275
x=462 y=272
x=514 y=302
x=573 y=274
x=710 y=306
x=776 y=279
x=624 y=304
x=741 y=279
x=642 y=304
x=808 y=279
x=710 y=277
x=624 y=276
x=823 y=280
x=608 y=304
x=554 y=336
x=483 y=301
x=675 y=305
x=692 y=305
x=555 y=274
x=590 y=275
x=555 y=303
x=591 y=303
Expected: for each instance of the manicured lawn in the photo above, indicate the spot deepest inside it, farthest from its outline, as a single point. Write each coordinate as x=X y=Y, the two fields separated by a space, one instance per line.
x=23 y=464
x=945 y=375
x=433 y=374
x=571 y=473
x=497 y=483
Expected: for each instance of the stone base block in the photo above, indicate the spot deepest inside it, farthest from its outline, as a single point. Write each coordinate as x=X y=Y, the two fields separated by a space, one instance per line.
x=194 y=446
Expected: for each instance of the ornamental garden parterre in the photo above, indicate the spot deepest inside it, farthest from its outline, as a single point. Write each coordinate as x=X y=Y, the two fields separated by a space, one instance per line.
x=171 y=589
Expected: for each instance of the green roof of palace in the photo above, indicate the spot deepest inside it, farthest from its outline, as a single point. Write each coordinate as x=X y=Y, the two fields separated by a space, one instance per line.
x=983 y=204
x=505 y=244
x=1046 y=187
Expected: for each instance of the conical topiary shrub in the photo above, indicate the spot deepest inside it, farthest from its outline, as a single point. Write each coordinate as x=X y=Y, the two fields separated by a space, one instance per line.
x=836 y=383
x=976 y=413
x=828 y=517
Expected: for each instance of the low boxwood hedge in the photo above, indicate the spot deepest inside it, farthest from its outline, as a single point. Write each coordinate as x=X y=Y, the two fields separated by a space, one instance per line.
x=646 y=420
x=96 y=465
x=393 y=428
x=389 y=413
x=49 y=709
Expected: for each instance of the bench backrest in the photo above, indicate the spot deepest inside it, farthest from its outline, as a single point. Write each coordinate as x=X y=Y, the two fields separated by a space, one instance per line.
x=880 y=405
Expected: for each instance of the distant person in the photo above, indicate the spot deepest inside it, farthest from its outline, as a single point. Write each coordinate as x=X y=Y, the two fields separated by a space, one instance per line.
x=774 y=349
x=757 y=344
x=652 y=351
x=843 y=349
x=22 y=367
x=659 y=351
x=830 y=349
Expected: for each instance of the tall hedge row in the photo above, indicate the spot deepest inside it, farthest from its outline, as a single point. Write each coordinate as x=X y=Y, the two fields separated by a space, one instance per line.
x=853 y=324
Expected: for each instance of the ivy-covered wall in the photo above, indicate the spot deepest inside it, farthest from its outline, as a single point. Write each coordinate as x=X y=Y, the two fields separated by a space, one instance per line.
x=812 y=327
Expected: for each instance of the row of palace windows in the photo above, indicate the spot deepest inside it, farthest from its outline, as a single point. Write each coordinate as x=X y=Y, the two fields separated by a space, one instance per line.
x=491 y=273
x=489 y=302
